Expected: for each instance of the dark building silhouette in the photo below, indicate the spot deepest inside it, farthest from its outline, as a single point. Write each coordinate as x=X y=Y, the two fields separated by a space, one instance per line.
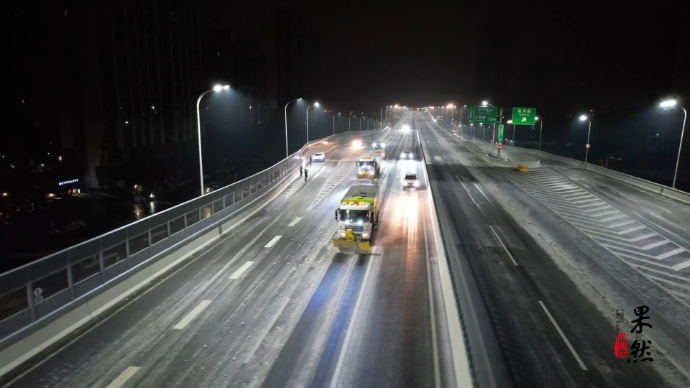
x=126 y=76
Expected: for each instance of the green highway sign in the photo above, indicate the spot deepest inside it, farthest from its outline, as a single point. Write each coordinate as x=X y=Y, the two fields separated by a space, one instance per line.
x=500 y=133
x=524 y=116
x=482 y=115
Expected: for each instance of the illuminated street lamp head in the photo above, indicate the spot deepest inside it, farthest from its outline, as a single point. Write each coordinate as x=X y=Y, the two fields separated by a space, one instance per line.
x=316 y=104
x=226 y=87
x=536 y=118
x=451 y=106
x=395 y=106
x=300 y=98
x=485 y=103
x=583 y=118
x=217 y=88
x=510 y=121
x=668 y=103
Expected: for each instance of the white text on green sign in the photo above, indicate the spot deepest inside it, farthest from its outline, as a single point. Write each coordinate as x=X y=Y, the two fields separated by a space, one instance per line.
x=524 y=116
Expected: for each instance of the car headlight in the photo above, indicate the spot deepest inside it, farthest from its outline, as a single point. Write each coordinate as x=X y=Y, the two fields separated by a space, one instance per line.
x=365 y=234
x=343 y=233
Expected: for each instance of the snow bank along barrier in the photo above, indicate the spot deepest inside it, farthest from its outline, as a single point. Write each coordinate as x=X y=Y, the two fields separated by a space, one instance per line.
x=45 y=300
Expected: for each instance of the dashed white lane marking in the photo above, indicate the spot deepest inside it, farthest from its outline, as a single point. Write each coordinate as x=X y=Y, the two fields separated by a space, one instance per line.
x=503 y=245
x=565 y=339
x=123 y=377
x=480 y=190
x=241 y=270
x=295 y=221
x=197 y=310
x=273 y=242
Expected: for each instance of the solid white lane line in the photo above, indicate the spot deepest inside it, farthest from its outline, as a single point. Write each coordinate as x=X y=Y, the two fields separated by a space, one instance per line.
x=503 y=245
x=296 y=220
x=241 y=270
x=197 y=310
x=123 y=377
x=273 y=242
x=434 y=338
x=558 y=328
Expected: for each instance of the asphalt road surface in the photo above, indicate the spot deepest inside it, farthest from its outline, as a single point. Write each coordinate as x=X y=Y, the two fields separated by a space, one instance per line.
x=546 y=257
x=273 y=304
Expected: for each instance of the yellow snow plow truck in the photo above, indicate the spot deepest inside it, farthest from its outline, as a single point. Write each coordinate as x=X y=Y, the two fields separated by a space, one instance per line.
x=357 y=216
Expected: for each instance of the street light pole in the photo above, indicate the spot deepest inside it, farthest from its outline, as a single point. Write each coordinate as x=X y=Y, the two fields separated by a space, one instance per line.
x=315 y=104
x=216 y=88
x=589 y=131
x=348 y=122
x=541 y=126
x=334 y=123
x=286 y=138
x=669 y=104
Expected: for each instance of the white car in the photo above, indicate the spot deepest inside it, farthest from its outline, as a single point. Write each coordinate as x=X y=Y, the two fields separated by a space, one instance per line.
x=410 y=180
x=319 y=157
x=407 y=154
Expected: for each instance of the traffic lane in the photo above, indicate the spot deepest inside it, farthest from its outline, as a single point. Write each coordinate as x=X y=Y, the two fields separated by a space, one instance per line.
x=394 y=314
x=267 y=317
x=552 y=287
x=162 y=304
x=588 y=331
x=335 y=363
x=607 y=280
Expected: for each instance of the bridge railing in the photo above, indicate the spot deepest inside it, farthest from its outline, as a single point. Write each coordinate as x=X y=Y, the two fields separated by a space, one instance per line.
x=42 y=289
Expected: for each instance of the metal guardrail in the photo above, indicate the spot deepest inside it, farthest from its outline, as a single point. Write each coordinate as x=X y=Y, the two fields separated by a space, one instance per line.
x=37 y=290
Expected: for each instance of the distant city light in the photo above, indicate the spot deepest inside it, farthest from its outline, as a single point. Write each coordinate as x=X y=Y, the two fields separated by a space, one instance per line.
x=126 y=122
x=668 y=103
x=5 y=194
x=68 y=182
x=153 y=107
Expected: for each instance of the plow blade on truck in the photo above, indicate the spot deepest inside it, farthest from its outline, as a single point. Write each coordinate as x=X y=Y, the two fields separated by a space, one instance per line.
x=351 y=244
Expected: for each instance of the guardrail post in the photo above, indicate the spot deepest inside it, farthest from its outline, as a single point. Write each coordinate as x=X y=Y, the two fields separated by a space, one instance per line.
x=70 y=277
x=101 y=263
x=29 y=295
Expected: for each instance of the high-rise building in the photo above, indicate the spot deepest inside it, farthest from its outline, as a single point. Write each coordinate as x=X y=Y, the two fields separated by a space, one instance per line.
x=128 y=75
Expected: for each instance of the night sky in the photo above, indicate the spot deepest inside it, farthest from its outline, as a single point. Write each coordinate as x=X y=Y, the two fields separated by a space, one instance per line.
x=556 y=56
